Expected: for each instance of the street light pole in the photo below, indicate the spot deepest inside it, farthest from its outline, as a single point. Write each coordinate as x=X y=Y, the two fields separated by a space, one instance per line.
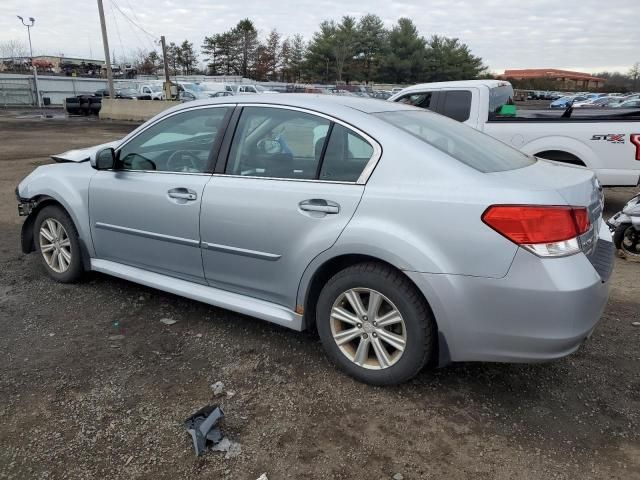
x=33 y=66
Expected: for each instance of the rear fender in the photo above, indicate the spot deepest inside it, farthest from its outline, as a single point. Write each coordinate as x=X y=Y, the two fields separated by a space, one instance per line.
x=563 y=144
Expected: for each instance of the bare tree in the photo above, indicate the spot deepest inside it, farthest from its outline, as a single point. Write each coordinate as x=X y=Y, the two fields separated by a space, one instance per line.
x=634 y=75
x=13 y=54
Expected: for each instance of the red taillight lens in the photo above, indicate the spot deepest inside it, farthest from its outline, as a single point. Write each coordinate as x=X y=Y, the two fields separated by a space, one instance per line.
x=533 y=224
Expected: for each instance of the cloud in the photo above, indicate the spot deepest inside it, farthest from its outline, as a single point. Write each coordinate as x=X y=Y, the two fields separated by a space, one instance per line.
x=505 y=33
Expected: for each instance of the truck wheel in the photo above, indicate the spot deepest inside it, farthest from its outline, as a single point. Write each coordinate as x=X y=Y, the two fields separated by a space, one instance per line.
x=56 y=240
x=375 y=325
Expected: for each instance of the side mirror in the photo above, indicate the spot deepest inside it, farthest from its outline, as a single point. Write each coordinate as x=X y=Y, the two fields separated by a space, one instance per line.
x=105 y=159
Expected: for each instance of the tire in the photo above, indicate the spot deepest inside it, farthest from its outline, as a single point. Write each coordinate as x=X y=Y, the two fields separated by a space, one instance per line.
x=394 y=291
x=70 y=270
x=619 y=237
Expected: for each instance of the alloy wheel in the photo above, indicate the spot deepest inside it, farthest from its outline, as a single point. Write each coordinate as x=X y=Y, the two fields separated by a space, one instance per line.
x=55 y=245
x=368 y=328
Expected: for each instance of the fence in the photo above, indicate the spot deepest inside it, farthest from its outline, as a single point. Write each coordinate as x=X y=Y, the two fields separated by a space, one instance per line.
x=19 y=90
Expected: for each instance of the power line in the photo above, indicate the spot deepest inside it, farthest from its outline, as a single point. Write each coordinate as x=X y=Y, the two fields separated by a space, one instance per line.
x=154 y=37
x=115 y=20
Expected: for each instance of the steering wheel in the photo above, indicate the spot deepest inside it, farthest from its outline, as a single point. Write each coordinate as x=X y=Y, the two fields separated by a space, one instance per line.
x=183 y=161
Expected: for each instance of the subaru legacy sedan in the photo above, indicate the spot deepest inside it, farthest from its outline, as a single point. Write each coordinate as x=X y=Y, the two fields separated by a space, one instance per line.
x=405 y=238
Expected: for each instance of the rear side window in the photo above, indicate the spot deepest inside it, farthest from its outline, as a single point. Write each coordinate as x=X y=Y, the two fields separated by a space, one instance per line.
x=463 y=143
x=346 y=156
x=456 y=104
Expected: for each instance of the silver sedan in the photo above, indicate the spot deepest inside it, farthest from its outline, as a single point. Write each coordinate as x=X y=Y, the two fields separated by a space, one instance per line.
x=403 y=237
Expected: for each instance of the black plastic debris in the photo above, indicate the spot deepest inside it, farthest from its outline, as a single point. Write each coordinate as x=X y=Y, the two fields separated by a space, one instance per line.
x=202 y=426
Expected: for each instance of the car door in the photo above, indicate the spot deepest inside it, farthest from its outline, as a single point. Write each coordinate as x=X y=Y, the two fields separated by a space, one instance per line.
x=146 y=211
x=290 y=184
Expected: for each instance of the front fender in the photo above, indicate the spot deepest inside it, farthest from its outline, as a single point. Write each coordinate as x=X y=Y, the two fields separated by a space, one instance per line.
x=67 y=184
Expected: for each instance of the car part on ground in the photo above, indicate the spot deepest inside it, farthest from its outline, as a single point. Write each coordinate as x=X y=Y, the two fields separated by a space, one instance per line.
x=203 y=427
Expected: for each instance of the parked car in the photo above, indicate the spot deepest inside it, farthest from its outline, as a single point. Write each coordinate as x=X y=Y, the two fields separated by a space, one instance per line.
x=129 y=93
x=607 y=143
x=153 y=89
x=363 y=233
x=628 y=104
x=598 y=102
x=565 y=102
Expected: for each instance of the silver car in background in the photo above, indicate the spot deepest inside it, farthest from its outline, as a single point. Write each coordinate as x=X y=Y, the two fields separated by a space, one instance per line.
x=403 y=237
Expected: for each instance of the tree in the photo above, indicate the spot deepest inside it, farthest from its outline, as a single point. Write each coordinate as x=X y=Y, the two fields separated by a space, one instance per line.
x=15 y=54
x=187 y=58
x=448 y=59
x=344 y=45
x=372 y=44
x=268 y=57
x=297 y=56
x=634 y=74
x=405 y=59
x=209 y=50
x=172 y=58
x=321 y=53
x=248 y=42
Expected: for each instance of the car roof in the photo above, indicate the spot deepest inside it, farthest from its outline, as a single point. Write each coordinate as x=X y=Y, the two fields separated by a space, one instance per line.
x=462 y=83
x=329 y=104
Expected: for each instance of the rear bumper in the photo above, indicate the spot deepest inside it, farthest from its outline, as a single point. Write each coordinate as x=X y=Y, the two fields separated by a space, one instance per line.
x=543 y=309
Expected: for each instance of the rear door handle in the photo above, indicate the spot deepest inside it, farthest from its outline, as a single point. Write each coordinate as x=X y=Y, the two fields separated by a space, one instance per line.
x=319 y=205
x=182 y=193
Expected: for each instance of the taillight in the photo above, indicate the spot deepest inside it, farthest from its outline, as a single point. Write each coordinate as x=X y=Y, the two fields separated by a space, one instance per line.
x=548 y=231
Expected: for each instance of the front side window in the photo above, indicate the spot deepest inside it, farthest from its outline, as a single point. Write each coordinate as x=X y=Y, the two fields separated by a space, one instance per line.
x=461 y=142
x=277 y=143
x=179 y=143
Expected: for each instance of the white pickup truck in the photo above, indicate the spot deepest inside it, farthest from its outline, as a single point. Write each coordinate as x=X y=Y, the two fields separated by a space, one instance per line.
x=607 y=142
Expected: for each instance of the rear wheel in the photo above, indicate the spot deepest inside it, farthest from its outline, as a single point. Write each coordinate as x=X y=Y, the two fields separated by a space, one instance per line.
x=374 y=324
x=56 y=239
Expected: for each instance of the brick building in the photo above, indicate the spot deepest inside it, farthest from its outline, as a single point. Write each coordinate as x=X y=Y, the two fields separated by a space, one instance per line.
x=565 y=79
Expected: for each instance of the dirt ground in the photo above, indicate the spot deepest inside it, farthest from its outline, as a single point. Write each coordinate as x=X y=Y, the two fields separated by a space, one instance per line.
x=92 y=385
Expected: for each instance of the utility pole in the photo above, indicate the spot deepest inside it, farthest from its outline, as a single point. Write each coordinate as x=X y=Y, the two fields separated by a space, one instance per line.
x=33 y=65
x=105 y=44
x=167 y=80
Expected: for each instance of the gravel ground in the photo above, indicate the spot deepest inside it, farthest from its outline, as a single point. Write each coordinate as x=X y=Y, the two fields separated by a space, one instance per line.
x=93 y=385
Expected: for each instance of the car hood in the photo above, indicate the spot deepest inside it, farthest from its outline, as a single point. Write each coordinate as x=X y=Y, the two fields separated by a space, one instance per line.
x=82 y=155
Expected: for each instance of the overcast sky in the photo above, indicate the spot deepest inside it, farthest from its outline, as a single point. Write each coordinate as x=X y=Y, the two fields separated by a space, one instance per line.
x=586 y=35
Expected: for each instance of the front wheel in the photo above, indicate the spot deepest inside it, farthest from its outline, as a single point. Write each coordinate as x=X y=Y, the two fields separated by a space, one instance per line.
x=56 y=239
x=627 y=239
x=375 y=325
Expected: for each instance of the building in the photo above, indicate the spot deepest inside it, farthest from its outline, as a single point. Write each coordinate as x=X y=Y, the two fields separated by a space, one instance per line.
x=565 y=79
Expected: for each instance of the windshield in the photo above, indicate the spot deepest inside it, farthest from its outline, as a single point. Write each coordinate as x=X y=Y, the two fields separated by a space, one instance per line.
x=260 y=88
x=499 y=96
x=459 y=141
x=155 y=88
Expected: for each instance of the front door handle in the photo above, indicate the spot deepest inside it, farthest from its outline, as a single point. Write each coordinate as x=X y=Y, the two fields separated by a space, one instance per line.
x=182 y=194
x=319 y=205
